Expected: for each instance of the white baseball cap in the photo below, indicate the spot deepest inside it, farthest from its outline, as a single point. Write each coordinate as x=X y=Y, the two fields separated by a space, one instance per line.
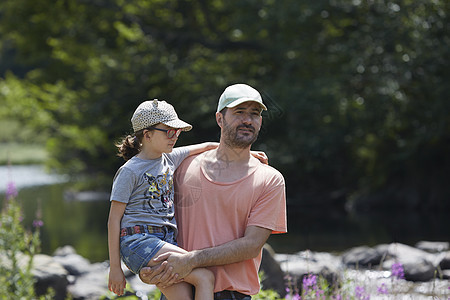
x=239 y=93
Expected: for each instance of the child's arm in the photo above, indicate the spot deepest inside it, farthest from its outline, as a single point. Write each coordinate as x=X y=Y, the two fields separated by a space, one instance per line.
x=117 y=280
x=199 y=148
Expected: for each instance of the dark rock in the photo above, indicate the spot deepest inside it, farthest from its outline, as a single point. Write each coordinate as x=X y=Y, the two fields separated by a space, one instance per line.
x=361 y=256
x=419 y=271
x=49 y=274
x=445 y=262
x=273 y=275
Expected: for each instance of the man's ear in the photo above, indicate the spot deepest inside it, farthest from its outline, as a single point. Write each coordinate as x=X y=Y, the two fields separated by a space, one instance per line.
x=219 y=119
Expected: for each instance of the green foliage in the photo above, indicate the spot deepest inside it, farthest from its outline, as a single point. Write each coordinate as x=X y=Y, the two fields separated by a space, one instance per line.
x=266 y=295
x=16 y=281
x=17 y=248
x=129 y=294
x=357 y=90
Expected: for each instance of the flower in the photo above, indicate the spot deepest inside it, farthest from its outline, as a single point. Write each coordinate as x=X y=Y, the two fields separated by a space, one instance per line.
x=297 y=297
x=310 y=282
x=382 y=289
x=11 y=190
x=360 y=293
x=38 y=223
x=397 y=271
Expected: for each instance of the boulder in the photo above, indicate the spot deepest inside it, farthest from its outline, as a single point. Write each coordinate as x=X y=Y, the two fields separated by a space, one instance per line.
x=432 y=247
x=273 y=275
x=419 y=271
x=446 y=275
x=92 y=284
x=445 y=262
x=362 y=256
x=74 y=263
x=49 y=274
x=296 y=266
x=407 y=254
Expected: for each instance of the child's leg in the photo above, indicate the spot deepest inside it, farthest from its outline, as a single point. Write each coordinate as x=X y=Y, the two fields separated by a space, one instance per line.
x=201 y=278
x=182 y=290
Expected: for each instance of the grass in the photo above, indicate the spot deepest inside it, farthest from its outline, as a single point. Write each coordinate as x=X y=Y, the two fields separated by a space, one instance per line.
x=22 y=154
x=20 y=144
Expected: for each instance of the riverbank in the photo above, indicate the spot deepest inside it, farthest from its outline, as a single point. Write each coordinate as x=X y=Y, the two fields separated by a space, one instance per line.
x=364 y=270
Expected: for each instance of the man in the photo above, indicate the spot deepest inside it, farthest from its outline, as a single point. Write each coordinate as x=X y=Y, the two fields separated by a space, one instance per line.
x=227 y=203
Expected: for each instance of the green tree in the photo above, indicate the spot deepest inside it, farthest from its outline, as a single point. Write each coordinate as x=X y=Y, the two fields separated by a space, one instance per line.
x=356 y=89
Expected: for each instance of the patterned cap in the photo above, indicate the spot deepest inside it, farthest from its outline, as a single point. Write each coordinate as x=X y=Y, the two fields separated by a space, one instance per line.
x=153 y=112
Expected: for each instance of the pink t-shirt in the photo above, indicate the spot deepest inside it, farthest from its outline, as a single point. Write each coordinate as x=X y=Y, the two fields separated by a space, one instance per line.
x=212 y=213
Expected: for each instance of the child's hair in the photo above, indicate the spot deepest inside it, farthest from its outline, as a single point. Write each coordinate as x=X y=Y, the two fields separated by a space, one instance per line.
x=130 y=145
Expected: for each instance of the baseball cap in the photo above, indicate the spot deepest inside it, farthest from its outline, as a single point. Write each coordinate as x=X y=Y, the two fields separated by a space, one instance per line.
x=152 y=112
x=239 y=93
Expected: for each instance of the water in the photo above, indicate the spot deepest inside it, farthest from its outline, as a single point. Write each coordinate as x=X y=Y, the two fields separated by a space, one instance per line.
x=27 y=176
x=82 y=224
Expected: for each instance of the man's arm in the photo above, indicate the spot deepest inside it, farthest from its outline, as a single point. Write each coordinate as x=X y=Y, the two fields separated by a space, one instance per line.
x=247 y=247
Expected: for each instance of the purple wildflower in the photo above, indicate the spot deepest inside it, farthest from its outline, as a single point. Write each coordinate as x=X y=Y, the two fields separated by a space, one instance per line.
x=11 y=190
x=309 y=283
x=38 y=223
x=382 y=289
x=297 y=297
x=360 y=293
x=398 y=271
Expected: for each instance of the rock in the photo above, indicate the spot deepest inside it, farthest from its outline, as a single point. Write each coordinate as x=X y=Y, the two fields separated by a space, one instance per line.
x=445 y=262
x=296 y=266
x=273 y=275
x=361 y=257
x=407 y=254
x=432 y=247
x=65 y=250
x=74 y=263
x=92 y=284
x=419 y=271
x=49 y=274
x=446 y=274
x=139 y=287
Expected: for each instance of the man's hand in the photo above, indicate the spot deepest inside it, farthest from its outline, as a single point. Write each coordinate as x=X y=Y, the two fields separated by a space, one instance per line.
x=181 y=263
x=161 y=275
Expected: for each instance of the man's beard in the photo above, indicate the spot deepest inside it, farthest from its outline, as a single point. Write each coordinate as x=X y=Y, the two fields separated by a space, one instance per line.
x=233 y=139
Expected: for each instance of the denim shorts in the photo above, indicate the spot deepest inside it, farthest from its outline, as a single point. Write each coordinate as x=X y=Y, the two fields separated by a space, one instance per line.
x=138 y=249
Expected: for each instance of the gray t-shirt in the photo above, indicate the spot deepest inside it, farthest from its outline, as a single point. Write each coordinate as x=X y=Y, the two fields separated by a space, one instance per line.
x=147 y=188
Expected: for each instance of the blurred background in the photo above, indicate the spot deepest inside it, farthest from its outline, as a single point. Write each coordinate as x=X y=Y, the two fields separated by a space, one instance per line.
x=357 y=91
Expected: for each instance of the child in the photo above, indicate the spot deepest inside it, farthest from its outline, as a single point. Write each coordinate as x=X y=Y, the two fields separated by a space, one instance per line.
x=141 y=221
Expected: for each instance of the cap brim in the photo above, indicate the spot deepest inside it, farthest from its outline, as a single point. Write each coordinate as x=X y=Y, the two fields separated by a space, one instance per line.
x=242 y=100
x=178 y=124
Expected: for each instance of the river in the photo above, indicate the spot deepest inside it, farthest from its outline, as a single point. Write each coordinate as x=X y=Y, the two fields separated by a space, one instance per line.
x=82 y=223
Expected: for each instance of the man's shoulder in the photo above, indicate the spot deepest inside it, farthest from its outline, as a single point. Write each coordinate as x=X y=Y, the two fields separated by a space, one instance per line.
x=270 y=173
x=190 y=160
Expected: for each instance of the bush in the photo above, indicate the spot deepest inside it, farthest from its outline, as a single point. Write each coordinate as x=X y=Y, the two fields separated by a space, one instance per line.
x=17 y=248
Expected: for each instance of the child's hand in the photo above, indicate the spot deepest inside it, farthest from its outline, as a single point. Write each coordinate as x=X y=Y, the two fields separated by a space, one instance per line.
x=116 y=282
x=261 y=156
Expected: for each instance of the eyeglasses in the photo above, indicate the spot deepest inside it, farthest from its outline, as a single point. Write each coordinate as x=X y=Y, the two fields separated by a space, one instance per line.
x=169 y=132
